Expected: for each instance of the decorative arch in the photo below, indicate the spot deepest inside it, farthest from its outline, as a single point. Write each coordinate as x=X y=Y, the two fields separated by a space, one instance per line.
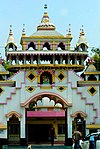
x=79 y=112
x=11 y=46
x=47 y=45
x=61 y=45
x=43 y=94
x=92 y=78
x=31 y=45
x=10 y=114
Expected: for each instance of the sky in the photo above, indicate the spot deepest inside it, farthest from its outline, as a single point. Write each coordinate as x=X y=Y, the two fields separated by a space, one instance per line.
x=61 y=13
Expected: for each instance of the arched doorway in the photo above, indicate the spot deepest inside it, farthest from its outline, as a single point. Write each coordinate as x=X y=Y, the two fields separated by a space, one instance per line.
x=79 y=124
x=13 y=126
x=42 y=111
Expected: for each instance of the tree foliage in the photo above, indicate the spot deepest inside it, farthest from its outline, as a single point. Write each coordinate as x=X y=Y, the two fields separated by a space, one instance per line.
x=96 y=58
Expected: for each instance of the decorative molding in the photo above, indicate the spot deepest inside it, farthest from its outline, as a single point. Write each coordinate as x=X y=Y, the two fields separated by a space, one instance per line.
x=92 y=89
x=78 y=112
x=13 y=113
x=66 y=103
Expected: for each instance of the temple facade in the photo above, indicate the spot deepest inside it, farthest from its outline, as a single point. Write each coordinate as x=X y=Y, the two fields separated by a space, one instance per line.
x=41 y=86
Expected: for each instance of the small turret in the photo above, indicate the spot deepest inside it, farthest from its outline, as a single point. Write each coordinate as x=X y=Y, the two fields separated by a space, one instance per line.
x=45 y=22
x=11 y=45
x=82 y=44
x=91 y=74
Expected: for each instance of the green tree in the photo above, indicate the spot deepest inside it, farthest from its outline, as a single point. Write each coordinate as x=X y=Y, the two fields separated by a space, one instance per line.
x=6 y=63
x=96 y=58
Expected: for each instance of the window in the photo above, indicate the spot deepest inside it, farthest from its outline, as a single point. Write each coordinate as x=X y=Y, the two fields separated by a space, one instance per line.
x=61 y=45
x=31 y=45
x=61 y=128
x=46 y=78
x=46 y=44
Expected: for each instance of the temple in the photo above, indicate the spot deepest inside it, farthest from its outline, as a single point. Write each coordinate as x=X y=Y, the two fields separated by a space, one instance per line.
x=40 y=86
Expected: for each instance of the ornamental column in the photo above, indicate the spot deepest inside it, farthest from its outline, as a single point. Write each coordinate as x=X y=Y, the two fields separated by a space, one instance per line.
x=24 y=59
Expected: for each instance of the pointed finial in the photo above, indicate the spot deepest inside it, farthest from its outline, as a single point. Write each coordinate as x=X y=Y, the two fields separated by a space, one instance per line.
x=10 y=33
x=69 y=35
x=45 y=6
x=82 y=30
x=69 y=29
x=23 y=31
x=11 y=27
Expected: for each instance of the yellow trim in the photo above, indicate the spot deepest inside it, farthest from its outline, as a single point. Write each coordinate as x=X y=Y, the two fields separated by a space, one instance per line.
x=2 y=126
x=29 y=78
x=88 y=81
x=48 y=107
x=96 y=72
x=4 y=72
x=7 y=81
x=46 y=65
x=62 y=74
x=2 y=90
x=39 y=45
x=56 y=37
x=90 y=92
x=38 y=79
x=46 y=87
x=53 y=78
x=89 y=126
x=64 y=88
x=30 y=87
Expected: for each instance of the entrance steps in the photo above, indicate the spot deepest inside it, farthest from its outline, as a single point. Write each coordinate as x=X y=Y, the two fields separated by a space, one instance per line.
x=41 y=147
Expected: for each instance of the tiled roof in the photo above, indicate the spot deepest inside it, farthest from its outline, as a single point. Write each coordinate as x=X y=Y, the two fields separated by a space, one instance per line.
x=46 y=33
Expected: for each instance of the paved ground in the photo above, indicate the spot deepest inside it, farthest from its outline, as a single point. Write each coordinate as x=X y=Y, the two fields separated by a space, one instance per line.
x=36 y=147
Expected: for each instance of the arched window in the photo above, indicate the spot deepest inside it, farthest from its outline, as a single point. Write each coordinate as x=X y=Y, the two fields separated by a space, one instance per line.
x=61 y=45
x=47 y=45
x=82 y=46
x=31 y=45
x=92 y=78
x=46 y=78
x=79 y=124
x=13 y=130
x=11 y=46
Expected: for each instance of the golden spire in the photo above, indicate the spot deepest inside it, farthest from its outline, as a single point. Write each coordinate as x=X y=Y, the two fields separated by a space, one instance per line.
x=82 y=31
x=45 y=21
x=82 y=38
x=45 y=6
x=69 y=35
x=10 y=38
x=23 y=31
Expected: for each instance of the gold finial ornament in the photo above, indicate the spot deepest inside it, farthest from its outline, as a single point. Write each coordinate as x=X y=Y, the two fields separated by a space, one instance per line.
x=23 y=31
x=45 y=6
x=10 y=33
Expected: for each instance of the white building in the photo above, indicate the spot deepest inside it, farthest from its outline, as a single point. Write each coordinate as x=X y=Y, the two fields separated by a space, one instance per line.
x=41 y=87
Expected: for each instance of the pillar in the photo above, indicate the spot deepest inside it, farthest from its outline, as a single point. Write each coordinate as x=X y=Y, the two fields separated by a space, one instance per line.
x=24 y=59
x=69 y=123
x=66 y=132
x=68 y=59
x=39 y=47
x=23 y=128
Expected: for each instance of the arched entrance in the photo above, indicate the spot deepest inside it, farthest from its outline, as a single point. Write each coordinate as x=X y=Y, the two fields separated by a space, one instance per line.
x=42 y=111
x=79 y=124
x=13 y=126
